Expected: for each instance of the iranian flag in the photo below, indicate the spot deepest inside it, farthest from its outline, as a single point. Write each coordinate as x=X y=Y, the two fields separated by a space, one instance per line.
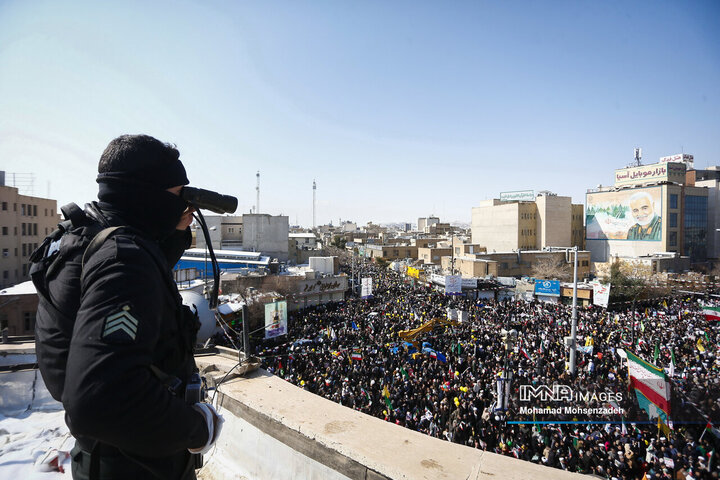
x=712 y=314
x=356 y=354
x=651 y=387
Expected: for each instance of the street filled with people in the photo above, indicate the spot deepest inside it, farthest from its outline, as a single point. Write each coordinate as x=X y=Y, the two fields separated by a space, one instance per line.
x=449 y=382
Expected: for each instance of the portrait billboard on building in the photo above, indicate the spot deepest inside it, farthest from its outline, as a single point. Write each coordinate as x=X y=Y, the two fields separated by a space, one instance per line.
x=275 y=319
x=634 y=214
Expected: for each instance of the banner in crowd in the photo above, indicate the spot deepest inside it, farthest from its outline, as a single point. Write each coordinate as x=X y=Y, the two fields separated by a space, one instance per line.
x=651 y=387
x=366 y=287
x=413 y=272
x=601 y=294
x=453 y=284
x=275 y=319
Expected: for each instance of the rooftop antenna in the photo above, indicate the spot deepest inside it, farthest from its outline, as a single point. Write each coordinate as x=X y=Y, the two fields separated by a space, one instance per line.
x=257 y=191
x=314 y=202
x=638 y=157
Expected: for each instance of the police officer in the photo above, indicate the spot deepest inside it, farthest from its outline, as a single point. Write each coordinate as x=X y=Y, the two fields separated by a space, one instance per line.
x=113 y=364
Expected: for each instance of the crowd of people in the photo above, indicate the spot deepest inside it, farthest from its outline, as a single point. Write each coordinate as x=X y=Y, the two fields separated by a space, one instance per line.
x=446 y=384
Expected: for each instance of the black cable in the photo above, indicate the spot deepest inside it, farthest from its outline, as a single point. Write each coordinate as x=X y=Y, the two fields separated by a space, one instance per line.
x=212 y=301
x=212 y=401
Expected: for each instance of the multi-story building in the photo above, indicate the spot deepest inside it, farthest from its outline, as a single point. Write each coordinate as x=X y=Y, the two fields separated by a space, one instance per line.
x=710 y=178
x=267 y=234
x=513 y=264
x=651 y=209
x=24 y=222
x=225 y=232
x=391 y=252
x=509 y=225
x=432 y=255
x=425 y=222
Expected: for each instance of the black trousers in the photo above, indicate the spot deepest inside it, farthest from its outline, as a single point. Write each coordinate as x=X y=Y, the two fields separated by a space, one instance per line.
x=103 y=462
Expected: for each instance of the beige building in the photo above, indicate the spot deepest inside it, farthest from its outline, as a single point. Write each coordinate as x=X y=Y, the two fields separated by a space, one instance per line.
x=24 y=222
x=432 y=255
x=513 y=264
x=391 y=252
x=506 y=226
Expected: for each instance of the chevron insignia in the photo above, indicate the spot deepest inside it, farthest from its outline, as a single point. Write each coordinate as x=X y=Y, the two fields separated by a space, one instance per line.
x=120 y=327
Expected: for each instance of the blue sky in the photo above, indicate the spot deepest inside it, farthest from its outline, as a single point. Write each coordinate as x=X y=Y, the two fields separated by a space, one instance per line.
x=398 y=109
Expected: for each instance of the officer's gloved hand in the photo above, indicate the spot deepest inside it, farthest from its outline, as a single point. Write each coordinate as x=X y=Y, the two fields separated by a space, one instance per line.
x=214 y=423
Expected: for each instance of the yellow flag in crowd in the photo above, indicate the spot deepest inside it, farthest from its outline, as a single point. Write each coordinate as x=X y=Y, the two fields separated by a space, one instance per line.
x=700 y=345
x=386 y=392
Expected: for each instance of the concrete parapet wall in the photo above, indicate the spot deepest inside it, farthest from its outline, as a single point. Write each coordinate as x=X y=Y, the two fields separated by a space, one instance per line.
x=276 y=430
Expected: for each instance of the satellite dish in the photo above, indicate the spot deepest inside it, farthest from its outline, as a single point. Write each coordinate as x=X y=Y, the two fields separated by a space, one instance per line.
x=199 y=305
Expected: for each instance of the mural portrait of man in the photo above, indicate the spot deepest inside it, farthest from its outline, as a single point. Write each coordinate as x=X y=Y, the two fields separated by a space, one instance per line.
x=648 y=224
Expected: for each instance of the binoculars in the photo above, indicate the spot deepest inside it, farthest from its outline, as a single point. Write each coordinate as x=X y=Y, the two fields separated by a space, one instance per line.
x=209 y=200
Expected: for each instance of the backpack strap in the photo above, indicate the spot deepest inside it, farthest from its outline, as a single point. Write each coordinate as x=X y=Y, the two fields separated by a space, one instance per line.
x=75 y=214
x=97 y=242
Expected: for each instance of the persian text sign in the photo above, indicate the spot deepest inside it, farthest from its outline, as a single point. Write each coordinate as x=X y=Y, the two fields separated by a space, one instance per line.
x=658 y=172
x=519 y=196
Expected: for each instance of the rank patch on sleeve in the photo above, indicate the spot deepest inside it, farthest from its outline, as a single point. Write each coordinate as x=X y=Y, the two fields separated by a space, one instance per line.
x=120 y=327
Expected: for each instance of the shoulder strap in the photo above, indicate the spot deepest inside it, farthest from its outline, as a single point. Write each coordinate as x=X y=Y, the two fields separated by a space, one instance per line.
x=97 y=242
x=75 y=214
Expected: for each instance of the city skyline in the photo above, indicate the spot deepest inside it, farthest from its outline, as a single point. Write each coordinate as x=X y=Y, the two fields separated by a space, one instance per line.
x=397 y=111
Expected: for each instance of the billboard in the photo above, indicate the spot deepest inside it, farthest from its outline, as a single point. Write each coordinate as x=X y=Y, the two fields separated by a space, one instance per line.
x=519 y=196
x=548 y=288
x=453 y=284
x=275 y=319
x=366 y=287
x=657 y=172
x=626 y=215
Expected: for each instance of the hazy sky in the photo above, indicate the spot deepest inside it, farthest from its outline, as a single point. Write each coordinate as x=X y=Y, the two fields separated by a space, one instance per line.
x=398 y=109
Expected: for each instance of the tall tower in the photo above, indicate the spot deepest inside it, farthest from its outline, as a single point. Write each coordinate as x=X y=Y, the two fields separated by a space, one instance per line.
x=257 y=192
x=314 y=203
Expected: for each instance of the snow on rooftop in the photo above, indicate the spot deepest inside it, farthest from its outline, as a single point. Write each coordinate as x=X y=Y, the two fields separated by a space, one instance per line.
x=32 y=427
x=24 y=288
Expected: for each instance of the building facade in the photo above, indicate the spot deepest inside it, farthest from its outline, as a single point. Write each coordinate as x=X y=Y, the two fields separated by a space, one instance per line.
x=25 y=221
x=506 y=226
x=267 y=234
x=651 y=209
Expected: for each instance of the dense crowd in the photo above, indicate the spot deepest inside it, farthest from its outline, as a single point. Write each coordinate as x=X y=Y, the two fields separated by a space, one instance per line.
x=446 y=384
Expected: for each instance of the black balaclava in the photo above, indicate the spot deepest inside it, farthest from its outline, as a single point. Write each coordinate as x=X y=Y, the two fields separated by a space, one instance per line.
x=135 y=172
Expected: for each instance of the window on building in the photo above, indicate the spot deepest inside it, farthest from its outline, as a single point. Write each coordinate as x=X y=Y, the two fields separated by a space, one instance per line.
x=29 y=321
x=6 y=252
x=24 y=249
x=24 y=269
x=46 y=212
x=34 y=210
x=23 y=229
x=672 y=239
x=6 y=274
x=673 y=200
x=695 y=227
x=34 y=228
x=672 y=220
x=4 y=205
x=14 y=207
x=4 y=230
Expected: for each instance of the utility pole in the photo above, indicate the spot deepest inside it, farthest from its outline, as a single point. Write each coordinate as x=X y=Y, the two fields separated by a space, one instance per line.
x=573 y=331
